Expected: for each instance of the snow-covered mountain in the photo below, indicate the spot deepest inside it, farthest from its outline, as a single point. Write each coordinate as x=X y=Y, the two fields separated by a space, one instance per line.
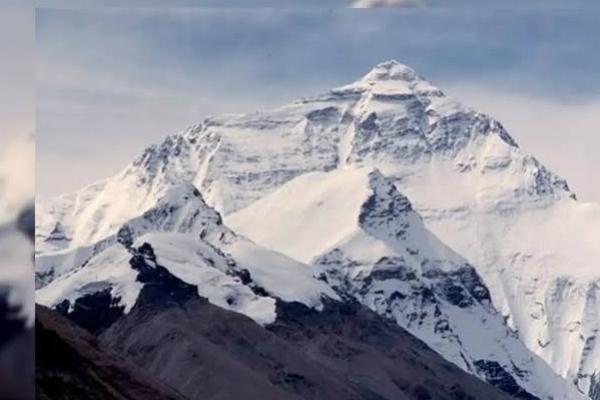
x=139 y=282
x=518 y=224
x=365 y=240
x=444 y=301
x=190 y=240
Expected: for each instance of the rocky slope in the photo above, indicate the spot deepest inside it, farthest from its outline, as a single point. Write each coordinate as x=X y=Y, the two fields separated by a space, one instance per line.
x=72 y=364
x=341 y=351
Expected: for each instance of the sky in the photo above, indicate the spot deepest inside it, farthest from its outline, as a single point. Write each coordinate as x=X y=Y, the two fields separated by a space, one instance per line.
x=110 y=81
x=17 y=94
x=16 y=71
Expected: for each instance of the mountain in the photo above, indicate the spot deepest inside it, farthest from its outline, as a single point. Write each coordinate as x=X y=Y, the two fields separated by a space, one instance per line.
x=72 y=364
x=194 y=245
x=517 y=223
x=181 y=247
x=341 y=351
x=365 y=239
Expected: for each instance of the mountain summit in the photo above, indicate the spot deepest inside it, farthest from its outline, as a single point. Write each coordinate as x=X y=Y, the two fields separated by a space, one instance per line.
x=515 y=222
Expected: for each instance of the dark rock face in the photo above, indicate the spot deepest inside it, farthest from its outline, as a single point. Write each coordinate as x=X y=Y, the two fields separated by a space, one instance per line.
x=385 y=205
x=375 y=354
x=160 y=286
x=344 y=352
x=500 y=378
x=594 y=392
x=99 y=309
x=93 y=312
x=210 y=353
x=72 y=365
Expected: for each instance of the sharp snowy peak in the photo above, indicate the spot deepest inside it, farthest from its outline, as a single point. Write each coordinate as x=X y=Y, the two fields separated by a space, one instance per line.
x=518 y=224
x=188 y=239
x=181 y=209
x=366 y=241
x=392 y=117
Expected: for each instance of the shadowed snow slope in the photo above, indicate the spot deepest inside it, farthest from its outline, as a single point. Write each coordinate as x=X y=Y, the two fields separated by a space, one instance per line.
x=534 y=245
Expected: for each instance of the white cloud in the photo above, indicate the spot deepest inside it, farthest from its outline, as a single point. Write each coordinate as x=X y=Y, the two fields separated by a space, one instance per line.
x=386 y=3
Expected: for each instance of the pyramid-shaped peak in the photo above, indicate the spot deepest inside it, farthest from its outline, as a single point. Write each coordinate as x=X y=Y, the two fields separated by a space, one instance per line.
x=391 y=70
x=385 y=203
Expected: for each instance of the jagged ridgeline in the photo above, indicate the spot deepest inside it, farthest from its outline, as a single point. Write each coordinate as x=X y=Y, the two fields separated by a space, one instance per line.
x=383 y=204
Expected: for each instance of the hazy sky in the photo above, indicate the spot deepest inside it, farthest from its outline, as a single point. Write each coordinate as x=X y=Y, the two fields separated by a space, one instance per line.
x=111 y=81
x=16 y=70
x=16 y=111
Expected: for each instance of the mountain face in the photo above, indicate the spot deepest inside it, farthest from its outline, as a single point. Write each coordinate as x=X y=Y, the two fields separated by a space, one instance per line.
x=344 y=351
x=336 y=350
x=341 y=351
x=181 y=249
x=529 y=243
x=194 y=245
x=383 y=256
x=72 y=364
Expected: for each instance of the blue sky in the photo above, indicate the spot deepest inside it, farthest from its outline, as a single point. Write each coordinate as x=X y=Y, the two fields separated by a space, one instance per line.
x=110 y=81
